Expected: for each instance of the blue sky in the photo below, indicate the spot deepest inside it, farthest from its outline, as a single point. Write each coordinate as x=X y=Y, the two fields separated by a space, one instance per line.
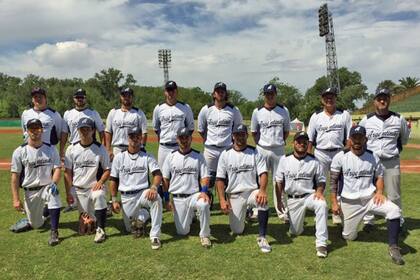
x=243 y=43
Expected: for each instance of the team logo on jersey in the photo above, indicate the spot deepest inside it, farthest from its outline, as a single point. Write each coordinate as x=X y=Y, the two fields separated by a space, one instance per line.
x=358 y=174
x=220 y=122
x=173 y=118
x=38 y=163
x=125 y=123
x=329 y=128
x=85 y=164
x=129 y=170
x=272 y=123
x=299 y=176
x=185 y=170
x=386 y=134
x=241 y=168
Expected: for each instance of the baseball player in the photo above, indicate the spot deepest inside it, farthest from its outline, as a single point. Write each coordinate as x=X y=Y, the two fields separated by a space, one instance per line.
x=168 y=118
x=87 y=168
x=71 y=119
x=183 y=172
x=36 y=168
x=215 y=123
x=301 y=177
x=328 y=132
x=118 y=122
x=362 y=192
x=242 y=176
x=130 y=176
x=386 y=132
x=270 y=125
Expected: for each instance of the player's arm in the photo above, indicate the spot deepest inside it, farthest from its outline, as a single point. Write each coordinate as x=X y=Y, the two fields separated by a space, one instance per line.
x=102 y=137
x=68 y=182
x=113 y=189
x=153 y=191
x=256 y=137
x=63 y=141
x=17 y=204
x=108 y=139
x=101 y=182
x=279 y=193
x=379 y=197
x=56 y=175
x=262 y=192
x=334 y=178
x=224 y=204
x=202 y=123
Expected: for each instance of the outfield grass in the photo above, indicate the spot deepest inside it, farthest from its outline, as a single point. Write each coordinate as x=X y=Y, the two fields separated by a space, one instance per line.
x=27 y=255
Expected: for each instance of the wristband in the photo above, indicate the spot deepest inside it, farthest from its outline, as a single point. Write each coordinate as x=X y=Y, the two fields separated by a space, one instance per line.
x=166 y=196
x=205 y=189
x=113 y=199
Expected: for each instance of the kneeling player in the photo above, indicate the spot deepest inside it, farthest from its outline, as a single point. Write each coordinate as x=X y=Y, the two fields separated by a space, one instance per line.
x=362 y=191
x=183 y=171
x=301 y=176
x=130 y=176
x=87 y=169
x=246 y=173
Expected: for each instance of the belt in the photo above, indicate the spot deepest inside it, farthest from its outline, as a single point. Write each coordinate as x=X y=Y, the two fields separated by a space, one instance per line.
x=330 y=150
x=219 y=147
x=34 y=188
x=182 y=195
x=297 y=195
x=131 y=192
x=169 y=144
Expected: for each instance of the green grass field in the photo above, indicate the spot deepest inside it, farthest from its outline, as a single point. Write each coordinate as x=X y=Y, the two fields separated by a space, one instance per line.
x=27 y=255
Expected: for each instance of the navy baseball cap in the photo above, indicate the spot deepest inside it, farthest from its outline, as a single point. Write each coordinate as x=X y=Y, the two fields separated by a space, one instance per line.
x=382 y=91
x=329 y=90
x=183 y=132
x=38 y=90
x=269 y=88
x=301 y=134
x=220 y=85
x=34 y=123
x=134 y=130
x=240 y=128
x=79 y=92
x=85 y=122
x=126 y=90
x=357 y=130
x=170 y=85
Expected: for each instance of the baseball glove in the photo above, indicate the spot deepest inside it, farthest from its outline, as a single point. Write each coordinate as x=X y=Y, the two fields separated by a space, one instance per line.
x=87 y=225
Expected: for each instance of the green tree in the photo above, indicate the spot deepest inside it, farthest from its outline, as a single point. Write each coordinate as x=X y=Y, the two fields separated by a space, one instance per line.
x=409 y=82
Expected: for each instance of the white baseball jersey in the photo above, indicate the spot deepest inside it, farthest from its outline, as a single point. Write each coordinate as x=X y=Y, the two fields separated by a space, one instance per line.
x=184 y=171
x=118 y=122
x=241 y=168
x=271 y=124
x=329 y=132
x=87 y=163
x=51 y=123
x=359 y=173
x=72 y=117
x=35 y=164
x=168 y=119
x=300 y=175
x=132 y=170
x=386 y=136
x=217 y=124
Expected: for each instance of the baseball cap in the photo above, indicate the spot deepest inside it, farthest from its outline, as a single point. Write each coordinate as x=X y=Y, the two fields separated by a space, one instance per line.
x=240 y=128
x=220 y=85
x=34 y=123
x=79 y=92
x=134 y=130
x=38 y=90
x=329 y=90
x=301 y=134
x=170 y=85
x=382 y=91
x=126 y=90
x=357 y=130
x=85 y=122
x=183 y=132
x=269 y=88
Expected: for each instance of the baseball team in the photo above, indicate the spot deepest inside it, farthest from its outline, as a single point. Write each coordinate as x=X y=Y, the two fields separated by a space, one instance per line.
x=361 y=161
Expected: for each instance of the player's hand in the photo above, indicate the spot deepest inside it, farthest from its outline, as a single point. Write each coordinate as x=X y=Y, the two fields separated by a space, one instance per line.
x=261 y=197
x=225 y=206
x=17 y=204
x=335 y=208
x=116 y=207
x=379 y=199
x=280 y=205
x=151 y=194
x=169 y=206
x=204 y=196
x=70 y=199
x=98 y=186
x=111 y=155
x=319 y=196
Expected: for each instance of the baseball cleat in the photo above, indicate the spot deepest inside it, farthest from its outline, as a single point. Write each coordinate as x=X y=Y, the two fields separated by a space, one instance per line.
x=156 y=243
x=394 y=252
x=263 y=244
x=336 y=219
x=205 y=242
x=137 y=228
x=321 y=251
x=21 y=226
x=100 y=235
x=53 y=238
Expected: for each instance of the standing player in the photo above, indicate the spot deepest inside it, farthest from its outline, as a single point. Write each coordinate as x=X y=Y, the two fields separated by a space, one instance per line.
x=168 y=118
x=301 y=177
x=362 y=191
x=215 y=123
x=242 y=176
x=87 y=169
x=36 y=168
x=386 y=132
x=120 y=120
x=71 y=119
x=130 y=176
x=183 y=172
x=328 y=132
x=270 y=127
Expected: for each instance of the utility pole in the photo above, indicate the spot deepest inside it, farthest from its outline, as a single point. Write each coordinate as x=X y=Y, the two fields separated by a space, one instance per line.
x=164 y=56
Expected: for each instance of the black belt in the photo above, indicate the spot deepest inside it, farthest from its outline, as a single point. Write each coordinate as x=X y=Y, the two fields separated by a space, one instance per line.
x=169 y=144
x=297 y=195
x=215 y=146
x=182 y=195
x=330 y=150
x=34 y=188
x=131 y=192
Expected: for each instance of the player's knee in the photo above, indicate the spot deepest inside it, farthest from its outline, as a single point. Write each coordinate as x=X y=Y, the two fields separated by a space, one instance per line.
x=98 y=195
x=295 y=231
x=237 y=229
x=183 y=231
x=202 y=205
x=350 y=236
x=321 y=206
x=394 y=212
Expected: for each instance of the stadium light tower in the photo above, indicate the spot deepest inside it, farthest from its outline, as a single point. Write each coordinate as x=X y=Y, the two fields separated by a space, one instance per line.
x=326 y=29
x=165 y=62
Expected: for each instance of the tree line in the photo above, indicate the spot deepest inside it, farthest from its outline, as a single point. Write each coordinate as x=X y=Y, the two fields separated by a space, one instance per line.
x=103 y=93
